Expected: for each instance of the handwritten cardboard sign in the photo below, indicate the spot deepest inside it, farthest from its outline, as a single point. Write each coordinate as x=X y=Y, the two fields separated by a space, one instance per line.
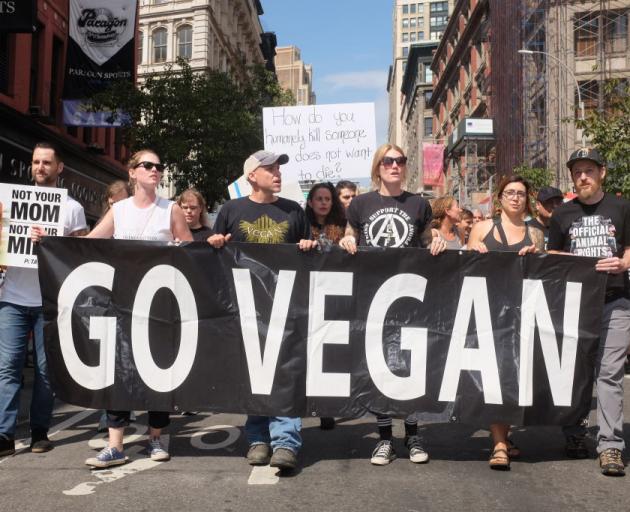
x=324 y=142
x=22 y=207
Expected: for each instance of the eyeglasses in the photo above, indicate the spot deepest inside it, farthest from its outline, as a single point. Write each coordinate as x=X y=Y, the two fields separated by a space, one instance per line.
x=150 y=165
x=509 y=194
x=388 y=161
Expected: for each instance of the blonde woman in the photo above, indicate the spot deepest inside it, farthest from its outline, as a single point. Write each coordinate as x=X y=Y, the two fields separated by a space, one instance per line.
x=446 y=216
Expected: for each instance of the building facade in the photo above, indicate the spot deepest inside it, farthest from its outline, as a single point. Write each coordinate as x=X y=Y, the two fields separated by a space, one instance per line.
x=477 y=96
x=31 y=83
x=418 y=22
x=575 y=47
x=294 y=75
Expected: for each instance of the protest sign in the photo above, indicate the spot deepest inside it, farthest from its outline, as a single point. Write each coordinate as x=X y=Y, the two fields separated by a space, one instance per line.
x=21 y=207
x=324 y=142
x=267 y=329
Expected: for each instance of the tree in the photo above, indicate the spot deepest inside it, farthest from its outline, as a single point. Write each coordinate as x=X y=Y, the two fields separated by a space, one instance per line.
x=537 y=177
x=609 y=131
x=202 y=125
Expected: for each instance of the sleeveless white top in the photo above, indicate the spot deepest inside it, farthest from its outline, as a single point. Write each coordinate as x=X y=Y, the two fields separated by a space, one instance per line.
x=152 y=223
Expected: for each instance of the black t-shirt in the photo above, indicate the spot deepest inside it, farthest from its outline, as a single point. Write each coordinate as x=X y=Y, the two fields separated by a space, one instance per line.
x=600 y=230
x=280 y=222
x=386 y=221
x=201 y=234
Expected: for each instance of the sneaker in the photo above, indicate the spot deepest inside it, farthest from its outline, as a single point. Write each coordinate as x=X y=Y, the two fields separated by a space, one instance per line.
x=158 y=453
x=107 y=457
x=283 y=458
x=383 y=454
x=40 y=442
x=610 y=462
x=259 y=454
x=575 y=447
x=417 y=454
x=7 y=446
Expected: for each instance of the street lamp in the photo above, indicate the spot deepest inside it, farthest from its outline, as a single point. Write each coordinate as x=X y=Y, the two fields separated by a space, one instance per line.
x=570 y=71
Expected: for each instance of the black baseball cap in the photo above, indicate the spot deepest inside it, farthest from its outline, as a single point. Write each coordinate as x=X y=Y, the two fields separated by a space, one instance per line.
x=585 y=154
x=546 y=193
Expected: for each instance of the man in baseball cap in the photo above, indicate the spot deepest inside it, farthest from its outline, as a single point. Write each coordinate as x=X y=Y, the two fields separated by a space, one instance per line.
x=597 y=224
x=264 y=218
x=547 y=200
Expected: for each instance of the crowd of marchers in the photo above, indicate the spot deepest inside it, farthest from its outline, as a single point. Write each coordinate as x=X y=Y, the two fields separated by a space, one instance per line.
x=592 y=223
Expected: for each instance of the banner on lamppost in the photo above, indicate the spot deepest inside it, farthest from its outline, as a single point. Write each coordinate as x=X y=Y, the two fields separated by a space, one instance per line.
x=18 y=16
x=101 y=50
x=432 y=163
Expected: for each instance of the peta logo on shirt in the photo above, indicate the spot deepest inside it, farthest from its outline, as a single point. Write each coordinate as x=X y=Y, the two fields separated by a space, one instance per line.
x=593 y=236
x=389 y=227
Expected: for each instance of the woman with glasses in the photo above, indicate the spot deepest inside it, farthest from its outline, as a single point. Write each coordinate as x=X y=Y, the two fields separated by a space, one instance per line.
x=144 y=216
x=390 y=217
x=193 y=205
x=507 y=232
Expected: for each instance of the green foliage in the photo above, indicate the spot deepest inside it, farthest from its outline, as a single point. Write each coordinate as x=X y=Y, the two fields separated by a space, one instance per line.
x=537 y=177
x=202 y=125
x=609 y=131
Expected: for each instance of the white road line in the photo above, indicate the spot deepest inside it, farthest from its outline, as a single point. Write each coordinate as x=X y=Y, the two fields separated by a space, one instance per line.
x=263 y=475
x=23 y=444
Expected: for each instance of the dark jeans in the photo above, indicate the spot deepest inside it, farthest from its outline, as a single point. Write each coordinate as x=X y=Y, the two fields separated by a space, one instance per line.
x=119 y=419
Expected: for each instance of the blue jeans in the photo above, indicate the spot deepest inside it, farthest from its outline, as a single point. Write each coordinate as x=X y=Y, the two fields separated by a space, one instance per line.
x=279 y=431
x=16 y=322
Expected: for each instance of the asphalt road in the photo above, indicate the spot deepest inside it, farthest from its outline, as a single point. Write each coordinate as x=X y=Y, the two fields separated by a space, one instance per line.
x=208 y=471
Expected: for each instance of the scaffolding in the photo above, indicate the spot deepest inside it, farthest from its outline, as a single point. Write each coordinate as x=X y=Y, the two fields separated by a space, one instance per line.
x=583 y=41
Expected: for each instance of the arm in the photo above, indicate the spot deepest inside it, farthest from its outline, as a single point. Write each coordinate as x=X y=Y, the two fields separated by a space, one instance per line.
x=615 y=265
x=220 y=237
x=105 y=228
x=179 y=228
x=349 y=241
x=477 y=234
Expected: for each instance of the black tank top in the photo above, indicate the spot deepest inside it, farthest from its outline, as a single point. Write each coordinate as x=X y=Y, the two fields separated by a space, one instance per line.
x=493 y=245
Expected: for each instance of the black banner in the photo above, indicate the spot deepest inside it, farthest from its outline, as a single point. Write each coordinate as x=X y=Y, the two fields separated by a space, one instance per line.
x=266 y=329
x=18 y=15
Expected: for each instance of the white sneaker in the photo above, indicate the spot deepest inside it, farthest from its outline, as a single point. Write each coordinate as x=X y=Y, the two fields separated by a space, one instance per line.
x=417 y=454
x=158 y=453
x=383 y=454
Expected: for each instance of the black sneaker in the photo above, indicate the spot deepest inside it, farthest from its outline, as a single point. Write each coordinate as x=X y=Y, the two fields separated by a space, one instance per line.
x=417 y=454
x=383 y=454
x=611 y=463
x=40 y=442
x=7 y=446
x=576 y=447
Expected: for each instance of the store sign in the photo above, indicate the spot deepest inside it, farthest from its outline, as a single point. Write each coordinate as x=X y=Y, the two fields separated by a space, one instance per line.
x=18 y=15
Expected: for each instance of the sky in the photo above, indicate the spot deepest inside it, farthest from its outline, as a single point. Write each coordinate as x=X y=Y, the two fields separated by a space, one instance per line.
x=348 y=43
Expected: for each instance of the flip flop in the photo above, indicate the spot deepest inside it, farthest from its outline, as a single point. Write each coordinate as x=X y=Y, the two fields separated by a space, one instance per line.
x=499 y=460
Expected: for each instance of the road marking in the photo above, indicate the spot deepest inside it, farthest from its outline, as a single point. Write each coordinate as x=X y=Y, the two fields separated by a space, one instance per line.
x=263 y=475
x=23 y=444
x=196 y=439
x=109 y=475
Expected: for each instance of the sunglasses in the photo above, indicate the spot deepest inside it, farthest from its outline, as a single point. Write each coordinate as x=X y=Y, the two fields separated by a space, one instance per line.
x=150 y=165
x=388 y=161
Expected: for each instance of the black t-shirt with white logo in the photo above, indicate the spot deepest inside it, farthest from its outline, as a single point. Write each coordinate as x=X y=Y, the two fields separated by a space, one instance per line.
x=386 y=221
x=600 y=230
x=280 y=222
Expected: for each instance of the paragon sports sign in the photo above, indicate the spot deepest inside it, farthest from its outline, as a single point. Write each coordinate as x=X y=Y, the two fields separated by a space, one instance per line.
x=269 y=330
x=18 y=15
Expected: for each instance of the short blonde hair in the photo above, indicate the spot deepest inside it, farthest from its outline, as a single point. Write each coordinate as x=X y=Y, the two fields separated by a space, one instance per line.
x=378 y=158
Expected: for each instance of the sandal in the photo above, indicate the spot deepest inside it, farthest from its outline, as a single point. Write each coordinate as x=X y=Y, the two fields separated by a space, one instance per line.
x=499 y=460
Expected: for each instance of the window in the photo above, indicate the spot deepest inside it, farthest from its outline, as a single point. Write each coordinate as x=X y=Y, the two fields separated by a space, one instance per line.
x=427 y=97
x=157 y=2
x=438 y=21
x=159 y=45
x=438 y=7
x=412 y=36
x=55 y=76
x=590 y=97
x=420 y=36
x=615 y=31
x=421 y=22
x=405 y=37
x=586 y=30
x=405 y=51
x=405 y=23
x=184 y=42
x=35 y=74
x=7 y=47
x=412 y=22
x=140 y=43
x=412 y=9
x=428 y=126
x=428 y=74
x=435 y=36
x=405 y=9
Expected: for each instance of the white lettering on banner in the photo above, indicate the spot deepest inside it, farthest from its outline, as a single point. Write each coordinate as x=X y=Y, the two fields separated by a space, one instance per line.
x=322 y=331
x=164 y=380
x=560 y=369
x=101 y=328
x=474 y=295
x=413 y=339
x=262 y=367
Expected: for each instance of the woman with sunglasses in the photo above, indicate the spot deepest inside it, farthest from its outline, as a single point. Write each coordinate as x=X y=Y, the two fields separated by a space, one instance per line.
x=507 y=232
x=144 y=216
x=390 y=217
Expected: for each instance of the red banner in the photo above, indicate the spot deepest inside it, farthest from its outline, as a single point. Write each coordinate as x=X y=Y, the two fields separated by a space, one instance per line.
x=432 y=163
